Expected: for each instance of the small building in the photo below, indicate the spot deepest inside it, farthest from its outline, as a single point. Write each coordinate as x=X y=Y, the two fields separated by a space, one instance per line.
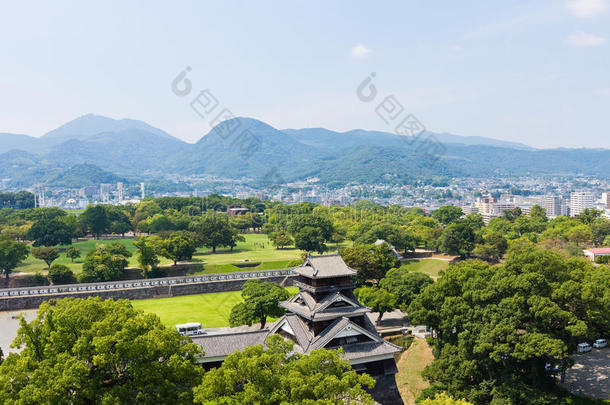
x=233 y=210
x=596 y=252
x=391 y=248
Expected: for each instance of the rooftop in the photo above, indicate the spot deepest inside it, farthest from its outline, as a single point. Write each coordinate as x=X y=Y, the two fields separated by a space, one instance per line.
x=598 y=251
x=324 y=266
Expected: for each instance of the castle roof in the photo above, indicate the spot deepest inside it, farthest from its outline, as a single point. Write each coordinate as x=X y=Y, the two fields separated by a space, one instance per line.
x=324 y=266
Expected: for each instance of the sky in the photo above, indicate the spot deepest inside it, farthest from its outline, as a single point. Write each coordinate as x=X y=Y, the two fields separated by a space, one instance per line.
x=530 y=72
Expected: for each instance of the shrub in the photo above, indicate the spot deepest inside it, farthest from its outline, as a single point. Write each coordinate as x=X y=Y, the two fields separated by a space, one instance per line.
x=60 y=274
x=39 y=279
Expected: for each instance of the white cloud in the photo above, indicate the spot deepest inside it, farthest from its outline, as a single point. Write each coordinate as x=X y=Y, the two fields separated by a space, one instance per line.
x=586 y=8
x=585 y=39
x=360 y=51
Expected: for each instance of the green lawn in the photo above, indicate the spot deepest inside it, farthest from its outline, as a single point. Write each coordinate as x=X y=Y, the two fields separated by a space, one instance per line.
x=211 y=310
x=33 y=265
x=431 y=267
x=256 y=248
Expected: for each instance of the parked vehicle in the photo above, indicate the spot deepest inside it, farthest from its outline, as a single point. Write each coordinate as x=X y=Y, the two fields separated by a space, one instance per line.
x=584 y=348
x=550 y=367
x=190 y=329
x=599 y=343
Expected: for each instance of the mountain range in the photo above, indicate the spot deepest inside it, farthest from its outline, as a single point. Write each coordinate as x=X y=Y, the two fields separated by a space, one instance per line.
x=95 y=149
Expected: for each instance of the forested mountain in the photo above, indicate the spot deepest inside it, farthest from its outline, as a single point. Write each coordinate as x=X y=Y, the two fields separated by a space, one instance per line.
x=246 y=148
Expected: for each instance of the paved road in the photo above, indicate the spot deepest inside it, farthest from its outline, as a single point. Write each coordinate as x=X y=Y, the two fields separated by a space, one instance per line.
x=590 y=375
x=9 y=323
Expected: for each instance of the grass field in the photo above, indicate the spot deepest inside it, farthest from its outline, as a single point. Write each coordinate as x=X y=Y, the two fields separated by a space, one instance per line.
x=211 y=310
x=431 y=267
x=410 y=366
x=33 y=265
x=256 y=248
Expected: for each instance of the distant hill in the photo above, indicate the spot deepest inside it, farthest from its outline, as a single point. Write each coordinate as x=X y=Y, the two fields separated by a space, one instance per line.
x=94 y=149
x=83 y=127
x=80 y=176
x=16 y=141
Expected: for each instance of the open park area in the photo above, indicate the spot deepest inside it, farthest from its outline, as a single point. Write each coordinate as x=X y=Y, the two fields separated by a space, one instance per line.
x=211 y=310
x=255 y=249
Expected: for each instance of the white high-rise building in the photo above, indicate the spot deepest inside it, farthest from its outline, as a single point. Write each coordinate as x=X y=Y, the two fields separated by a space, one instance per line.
x=119 y=187
x=580 y=201
x=606 y=200
x=551 y=204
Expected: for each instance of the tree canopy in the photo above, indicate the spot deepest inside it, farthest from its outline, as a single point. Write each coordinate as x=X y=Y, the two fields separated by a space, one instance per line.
x=499 y=326
x=105 y=352
x=275 y=376
x=261 y=300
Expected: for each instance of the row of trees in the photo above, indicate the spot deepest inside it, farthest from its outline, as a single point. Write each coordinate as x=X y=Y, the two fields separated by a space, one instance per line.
x=92 y=351
x=499 y=326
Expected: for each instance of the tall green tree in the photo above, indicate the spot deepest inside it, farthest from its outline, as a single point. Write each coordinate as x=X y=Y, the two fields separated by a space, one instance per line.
x=179 y=246
x=215 y=230
x=50 y=232
x=148 y=249
x=457 y=239
x=276 y=376
x=378 y=299
x=73 y=253
x=310 y=239
x=89 y=351
x=105 y=263
x=95 y=220
x=447 y=214
x=405 y=285
x=46 y=254
x=11 y=255
x=261 y=299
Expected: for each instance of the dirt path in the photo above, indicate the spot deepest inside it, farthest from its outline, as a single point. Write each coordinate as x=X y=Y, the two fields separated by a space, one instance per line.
x=409 y=379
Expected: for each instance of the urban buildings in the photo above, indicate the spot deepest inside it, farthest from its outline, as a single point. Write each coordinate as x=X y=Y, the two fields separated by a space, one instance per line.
x=579 y=201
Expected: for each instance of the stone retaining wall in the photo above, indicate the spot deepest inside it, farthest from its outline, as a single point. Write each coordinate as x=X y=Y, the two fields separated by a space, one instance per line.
x=138 y=293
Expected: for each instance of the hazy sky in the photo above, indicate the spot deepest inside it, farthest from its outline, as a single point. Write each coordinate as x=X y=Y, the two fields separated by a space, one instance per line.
x=533 y=72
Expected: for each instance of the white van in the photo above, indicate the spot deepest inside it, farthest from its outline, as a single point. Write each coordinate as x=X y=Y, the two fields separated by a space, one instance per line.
x=190 y=329
x=599 y=343
x=584 y=347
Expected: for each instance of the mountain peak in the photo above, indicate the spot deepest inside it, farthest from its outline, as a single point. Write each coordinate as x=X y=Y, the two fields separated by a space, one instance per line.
x=92 y=124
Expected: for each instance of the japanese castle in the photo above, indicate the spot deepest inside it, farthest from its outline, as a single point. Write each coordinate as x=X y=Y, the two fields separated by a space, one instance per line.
x=323 y=314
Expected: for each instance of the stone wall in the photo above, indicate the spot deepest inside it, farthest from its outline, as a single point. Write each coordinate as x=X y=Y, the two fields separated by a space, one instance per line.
x=138 y=293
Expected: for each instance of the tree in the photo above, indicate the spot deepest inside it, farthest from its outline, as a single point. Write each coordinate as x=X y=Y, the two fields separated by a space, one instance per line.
x=60 y=274
x=280 y=239
x=497 y=327
x=80 y=351
x=148 y=249
x=105 y=263
x=447 y=214
x=322 y=224
x=95 y=220
x=261 y=299
x=589 y=215
x=457 y=239
x=378 y=299
x=178 y=247
x=11 y=254
x=50 y=232
x=215 y=230
x=73 y=253
x=371 y=262
x=405 y=285
x=310 y=239
x=46 y=254
x=276 y=376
